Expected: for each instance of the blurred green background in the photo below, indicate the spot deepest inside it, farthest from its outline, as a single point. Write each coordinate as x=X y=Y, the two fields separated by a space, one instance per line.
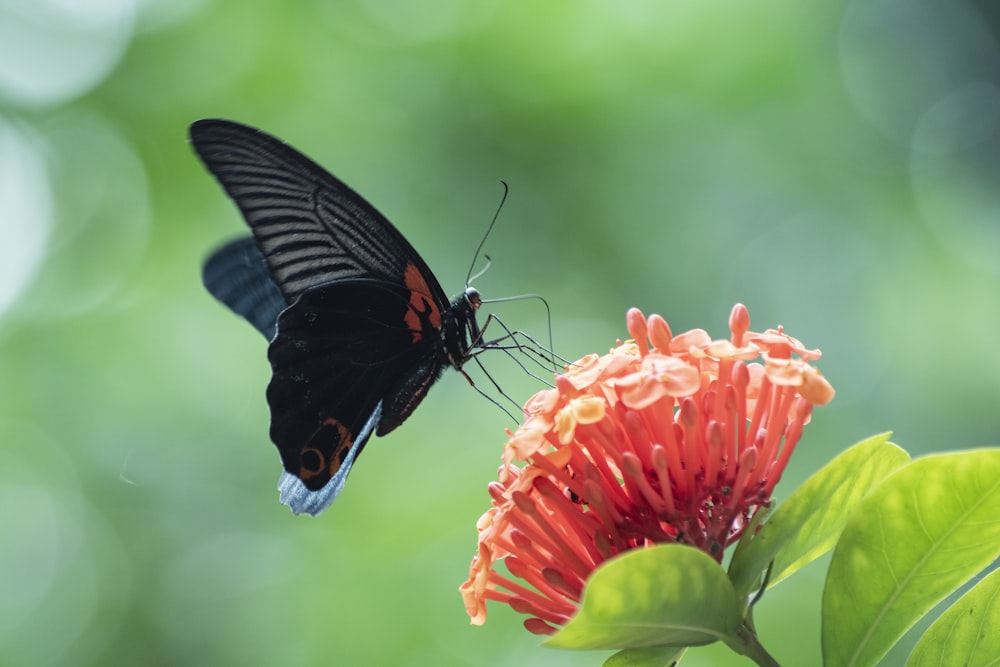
x=832 y=165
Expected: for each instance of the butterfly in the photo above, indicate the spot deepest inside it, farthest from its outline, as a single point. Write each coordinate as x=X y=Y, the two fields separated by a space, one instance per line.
x=358 y=326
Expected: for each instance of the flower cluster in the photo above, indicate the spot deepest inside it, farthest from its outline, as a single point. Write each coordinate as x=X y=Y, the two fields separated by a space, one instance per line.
x=664 y=439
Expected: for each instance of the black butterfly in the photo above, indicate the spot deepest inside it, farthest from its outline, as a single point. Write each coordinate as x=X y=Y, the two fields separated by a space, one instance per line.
x=359 y=327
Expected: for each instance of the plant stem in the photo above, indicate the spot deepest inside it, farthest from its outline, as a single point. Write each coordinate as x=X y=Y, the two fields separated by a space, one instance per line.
x=745 y=643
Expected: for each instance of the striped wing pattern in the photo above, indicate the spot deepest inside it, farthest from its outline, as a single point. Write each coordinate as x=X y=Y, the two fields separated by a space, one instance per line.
x=311 y=228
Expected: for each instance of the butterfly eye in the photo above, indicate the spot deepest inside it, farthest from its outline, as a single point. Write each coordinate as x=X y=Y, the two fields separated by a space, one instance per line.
x=473 y=297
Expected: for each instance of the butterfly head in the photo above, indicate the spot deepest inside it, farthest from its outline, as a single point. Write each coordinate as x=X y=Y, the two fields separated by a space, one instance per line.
x=473 y=299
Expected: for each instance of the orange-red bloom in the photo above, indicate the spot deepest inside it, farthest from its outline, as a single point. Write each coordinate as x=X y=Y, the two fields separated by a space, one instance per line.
x=664 y=439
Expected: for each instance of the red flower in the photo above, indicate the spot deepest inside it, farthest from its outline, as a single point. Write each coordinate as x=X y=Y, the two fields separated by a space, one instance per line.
x=664 y=439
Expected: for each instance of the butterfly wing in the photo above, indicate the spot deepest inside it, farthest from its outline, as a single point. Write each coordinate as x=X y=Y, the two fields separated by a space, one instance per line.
x=236 y=275
x=311 y=228
x=292 y=491
x=340 y=351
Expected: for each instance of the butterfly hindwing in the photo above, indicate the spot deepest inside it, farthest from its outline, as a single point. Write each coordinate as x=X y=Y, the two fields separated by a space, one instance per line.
x=237 y=276
x=301 y=499
x=339 y=351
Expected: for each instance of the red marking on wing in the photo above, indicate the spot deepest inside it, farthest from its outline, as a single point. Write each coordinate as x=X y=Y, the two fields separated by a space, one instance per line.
x=326 y=450
x=422 y=305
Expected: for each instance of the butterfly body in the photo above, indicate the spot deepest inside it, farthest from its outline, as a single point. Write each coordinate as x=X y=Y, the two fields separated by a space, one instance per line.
x=358 y=326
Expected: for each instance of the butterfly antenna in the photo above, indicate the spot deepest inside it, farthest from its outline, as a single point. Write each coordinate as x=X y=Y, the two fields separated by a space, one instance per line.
x=469 y=277
x=484 y=270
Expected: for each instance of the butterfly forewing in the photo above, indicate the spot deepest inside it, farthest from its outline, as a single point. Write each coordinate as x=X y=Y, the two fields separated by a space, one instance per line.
x=311 y=228
x=236 y=275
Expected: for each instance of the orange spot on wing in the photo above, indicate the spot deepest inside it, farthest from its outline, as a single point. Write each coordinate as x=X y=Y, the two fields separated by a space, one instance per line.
x=421 y=304
x=325 y=451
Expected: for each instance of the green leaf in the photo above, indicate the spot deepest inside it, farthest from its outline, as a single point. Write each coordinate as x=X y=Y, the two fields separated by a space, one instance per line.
x=807 y=525
x=667 y=595
x=656 y=656
x=966 y=634
x=926 y=530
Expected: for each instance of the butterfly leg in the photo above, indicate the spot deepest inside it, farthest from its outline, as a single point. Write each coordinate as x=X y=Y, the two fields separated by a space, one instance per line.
x=518 y=341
